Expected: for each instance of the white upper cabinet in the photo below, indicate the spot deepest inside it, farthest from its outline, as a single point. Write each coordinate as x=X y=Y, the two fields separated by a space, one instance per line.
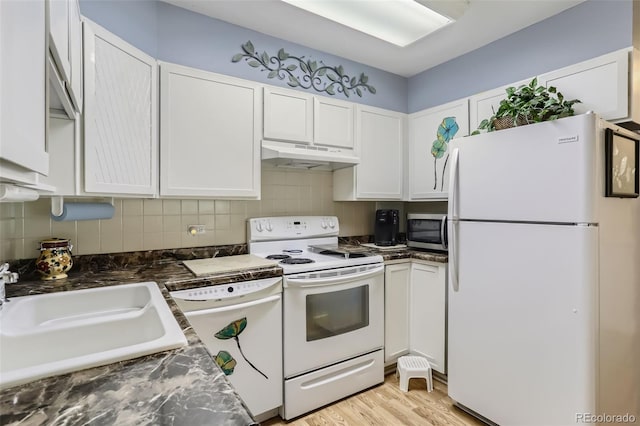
x=332 y=122
x=75 y=53
x=380 y=145
x=59 y=36
x=120 y=116
x=294 y=116
x=483 y=105
x=23 y=148
x=601 y=84
x=210 y=134
x=65 y=60
x=288 y=115
x=429 y=134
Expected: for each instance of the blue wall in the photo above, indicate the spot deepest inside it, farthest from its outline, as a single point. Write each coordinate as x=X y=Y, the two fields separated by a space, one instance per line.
x=133 y=21
x=176 y=35
x=585 y=31
x=173 y=34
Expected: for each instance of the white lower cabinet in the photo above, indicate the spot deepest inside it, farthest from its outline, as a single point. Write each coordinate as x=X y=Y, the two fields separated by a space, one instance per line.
x=415 y=311
x=210 y=134
x=396 y=310
x=427 y=313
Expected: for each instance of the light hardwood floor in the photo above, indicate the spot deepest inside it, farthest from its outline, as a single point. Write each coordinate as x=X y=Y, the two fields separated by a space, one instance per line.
x=387 y=405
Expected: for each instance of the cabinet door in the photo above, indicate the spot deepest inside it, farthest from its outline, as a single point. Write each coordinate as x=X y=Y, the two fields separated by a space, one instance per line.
x=333 y=123
x=396 y=311
x=380 y=144
x=210 y=134
x=120 y=116
x=59 y=36
x=429 y=134
x=484 y=105
x=601 y=84
x=75 y=54
x=22 y=87
x=288 y=115
x=380 y=141
x=427 y=329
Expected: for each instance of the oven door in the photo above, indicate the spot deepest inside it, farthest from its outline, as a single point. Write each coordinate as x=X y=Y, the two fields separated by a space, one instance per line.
x=331 y=316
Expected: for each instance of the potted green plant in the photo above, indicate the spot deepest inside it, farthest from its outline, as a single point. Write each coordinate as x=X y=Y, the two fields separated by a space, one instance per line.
x=528 y=104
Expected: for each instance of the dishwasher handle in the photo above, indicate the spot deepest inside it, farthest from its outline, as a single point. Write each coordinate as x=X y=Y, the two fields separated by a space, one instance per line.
x=262 y=301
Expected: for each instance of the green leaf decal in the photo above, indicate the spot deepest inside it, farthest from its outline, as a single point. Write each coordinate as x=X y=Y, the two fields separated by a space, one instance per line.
x=232 y=330
x=447 y=129
x=224 y=358
x=254 y=64
x=438 y=148
x=237 y=58
x=226 y=362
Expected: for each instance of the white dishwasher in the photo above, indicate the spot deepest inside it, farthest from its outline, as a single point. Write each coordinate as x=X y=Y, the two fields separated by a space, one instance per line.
x=241 y=325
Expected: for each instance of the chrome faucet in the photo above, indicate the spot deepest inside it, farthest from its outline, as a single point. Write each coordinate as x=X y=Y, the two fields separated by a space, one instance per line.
x=6 y=277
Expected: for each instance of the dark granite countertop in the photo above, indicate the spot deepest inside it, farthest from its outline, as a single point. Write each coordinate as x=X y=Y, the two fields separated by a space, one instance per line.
x=397 y=253
x=178 y=387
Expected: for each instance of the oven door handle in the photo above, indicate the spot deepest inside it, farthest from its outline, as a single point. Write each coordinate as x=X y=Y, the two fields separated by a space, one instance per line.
x=190 y=314
x=338 y=279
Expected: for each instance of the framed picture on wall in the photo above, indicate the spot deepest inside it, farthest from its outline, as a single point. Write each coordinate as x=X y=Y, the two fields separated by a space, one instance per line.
x=621 y=165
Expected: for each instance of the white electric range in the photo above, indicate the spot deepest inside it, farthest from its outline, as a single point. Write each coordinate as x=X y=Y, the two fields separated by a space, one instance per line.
x=333 y=310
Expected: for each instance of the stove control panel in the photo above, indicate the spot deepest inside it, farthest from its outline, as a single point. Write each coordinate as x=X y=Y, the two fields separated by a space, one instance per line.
x=290 y=227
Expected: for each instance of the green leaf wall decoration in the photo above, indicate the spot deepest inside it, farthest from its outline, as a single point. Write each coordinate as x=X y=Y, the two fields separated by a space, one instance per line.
x=314 y=75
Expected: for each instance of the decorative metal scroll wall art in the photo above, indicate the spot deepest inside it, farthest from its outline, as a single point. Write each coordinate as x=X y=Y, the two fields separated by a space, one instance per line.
x=305 y=73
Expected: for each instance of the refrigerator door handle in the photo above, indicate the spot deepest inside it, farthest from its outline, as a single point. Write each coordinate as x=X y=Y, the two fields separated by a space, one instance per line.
x=453 y=219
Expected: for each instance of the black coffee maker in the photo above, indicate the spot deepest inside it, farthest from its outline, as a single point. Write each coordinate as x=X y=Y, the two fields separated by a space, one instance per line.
x=386 y=227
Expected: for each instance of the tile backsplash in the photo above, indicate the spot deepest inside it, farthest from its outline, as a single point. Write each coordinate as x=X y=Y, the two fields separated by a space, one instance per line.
x=152 y=224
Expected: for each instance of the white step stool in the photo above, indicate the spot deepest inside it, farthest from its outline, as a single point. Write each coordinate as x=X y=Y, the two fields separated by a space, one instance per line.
x=411 y=367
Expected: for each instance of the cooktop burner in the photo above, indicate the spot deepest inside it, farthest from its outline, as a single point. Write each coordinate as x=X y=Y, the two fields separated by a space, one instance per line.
x=278 y=256
x=292 y=251
x=297 y=261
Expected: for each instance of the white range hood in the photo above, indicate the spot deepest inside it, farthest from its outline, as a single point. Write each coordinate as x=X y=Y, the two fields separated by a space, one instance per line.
x=285 y=154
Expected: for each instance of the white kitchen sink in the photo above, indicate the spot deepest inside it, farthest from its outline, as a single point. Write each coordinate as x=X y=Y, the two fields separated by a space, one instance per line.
x=50 y=334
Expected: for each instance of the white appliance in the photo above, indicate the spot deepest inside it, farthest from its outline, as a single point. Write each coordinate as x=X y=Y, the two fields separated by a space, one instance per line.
x=303 y=156
x=241 y=326
x=333 y=311
x=544 y=276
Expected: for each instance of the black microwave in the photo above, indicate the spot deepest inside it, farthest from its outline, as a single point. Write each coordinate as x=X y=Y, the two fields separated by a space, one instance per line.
x=427 y=231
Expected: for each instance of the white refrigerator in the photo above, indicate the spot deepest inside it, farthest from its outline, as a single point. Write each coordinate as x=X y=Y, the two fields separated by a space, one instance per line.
x=544 y=278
